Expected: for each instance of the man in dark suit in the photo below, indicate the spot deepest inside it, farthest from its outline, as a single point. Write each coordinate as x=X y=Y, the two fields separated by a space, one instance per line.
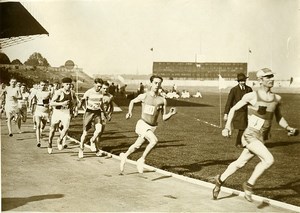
x=240 y=119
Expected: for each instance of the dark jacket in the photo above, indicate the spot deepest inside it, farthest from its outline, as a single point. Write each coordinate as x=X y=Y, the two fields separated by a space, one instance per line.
x=240 y=120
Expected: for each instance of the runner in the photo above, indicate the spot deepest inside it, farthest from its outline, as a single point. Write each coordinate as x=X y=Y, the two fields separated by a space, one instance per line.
x=108 y=108
x=32 y=102
x=262 y=106
x=93 y=102
x=23 y=103
x=63 y=103
x=12 y=95
x=152 y=105
x=41 y=114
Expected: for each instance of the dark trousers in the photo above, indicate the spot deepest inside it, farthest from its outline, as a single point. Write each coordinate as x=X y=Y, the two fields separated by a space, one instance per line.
x=238 y=141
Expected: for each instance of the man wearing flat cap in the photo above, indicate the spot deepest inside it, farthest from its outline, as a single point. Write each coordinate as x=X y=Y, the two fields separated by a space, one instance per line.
x=240 y=118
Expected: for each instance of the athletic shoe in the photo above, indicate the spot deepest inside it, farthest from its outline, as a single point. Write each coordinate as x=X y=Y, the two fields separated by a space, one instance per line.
x=10 y=135
x=59 y=145
x=217 y=188
x=99 y=153
x=140 y=165
x=123 y=160
x=65 y=146
x=49 y=150
x=38 y=144
x=93 y=146
x=80 y=153
x=248 y=191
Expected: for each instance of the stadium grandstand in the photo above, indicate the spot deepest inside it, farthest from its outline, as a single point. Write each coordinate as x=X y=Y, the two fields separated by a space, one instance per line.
x=18 y=25
x=198 y=71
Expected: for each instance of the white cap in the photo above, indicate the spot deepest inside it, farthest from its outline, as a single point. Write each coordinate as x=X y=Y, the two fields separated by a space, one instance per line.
x=264 y=72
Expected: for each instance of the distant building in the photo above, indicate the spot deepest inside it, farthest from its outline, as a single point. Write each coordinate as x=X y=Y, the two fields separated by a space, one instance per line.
x=199 y=71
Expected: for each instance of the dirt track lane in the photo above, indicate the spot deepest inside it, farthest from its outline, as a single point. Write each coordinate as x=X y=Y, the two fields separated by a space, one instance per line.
x=33 y=180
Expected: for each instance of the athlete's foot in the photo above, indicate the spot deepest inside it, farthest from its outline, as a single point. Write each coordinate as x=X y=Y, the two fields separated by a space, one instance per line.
x=217 y=187
x=93 y=146
x=59 y=145
x=99 y=153
x=248 y=189
x=38 y=144
x=65 y=146
x=49 y=149
x=10 y=135
x=80 y=153
x=123 y=160
x=140 y=165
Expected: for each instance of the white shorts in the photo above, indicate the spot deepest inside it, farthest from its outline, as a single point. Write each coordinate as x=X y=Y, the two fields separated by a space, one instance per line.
x=61 y=115
x=142 y=127
x=11 y=110
x=42 y=115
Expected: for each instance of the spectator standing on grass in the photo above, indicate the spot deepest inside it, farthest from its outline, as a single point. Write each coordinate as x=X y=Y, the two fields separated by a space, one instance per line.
x=240 y=117
x=152 y=105
x=63 y=103
x=92 y=102
x=262 y=104
x=12 y=95
x=141 y=89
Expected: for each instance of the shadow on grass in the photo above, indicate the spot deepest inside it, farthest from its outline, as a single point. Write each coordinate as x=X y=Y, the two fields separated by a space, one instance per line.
x=15 y=202
x=194 y=167
x=275 y=144
x=294 y=186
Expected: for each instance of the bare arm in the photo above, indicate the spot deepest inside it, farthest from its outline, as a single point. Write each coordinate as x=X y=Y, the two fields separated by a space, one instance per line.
x=138 y=99
x=167 y=116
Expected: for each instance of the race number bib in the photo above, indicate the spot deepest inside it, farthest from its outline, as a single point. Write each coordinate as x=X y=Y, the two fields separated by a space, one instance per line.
x=255 y=122
x=148 y=109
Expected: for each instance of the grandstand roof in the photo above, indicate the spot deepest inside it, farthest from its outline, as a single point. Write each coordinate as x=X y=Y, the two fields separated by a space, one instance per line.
x=17 y=25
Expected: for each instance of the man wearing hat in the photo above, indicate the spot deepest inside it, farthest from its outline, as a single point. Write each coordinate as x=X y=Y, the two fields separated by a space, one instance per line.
x=262 y=106
x=240 y=117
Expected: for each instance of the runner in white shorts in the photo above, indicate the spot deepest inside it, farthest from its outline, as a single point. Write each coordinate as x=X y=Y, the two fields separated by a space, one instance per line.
x=262 y=106
x=32 y=102
x=23 y=103
x=108 y=108
x=93 y=102
x=63 y=102
x=12 y=95
x=41 y=114
x=152 y=105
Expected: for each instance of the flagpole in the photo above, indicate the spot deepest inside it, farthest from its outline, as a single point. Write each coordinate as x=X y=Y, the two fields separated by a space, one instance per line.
x=220 y=100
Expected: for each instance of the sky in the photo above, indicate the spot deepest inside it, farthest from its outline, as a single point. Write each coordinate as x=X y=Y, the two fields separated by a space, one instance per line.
x=116 y=36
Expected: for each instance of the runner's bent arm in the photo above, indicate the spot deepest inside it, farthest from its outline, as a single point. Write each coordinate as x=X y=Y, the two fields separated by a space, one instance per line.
x=138 y=99
x=245 y=100
x=167 y=116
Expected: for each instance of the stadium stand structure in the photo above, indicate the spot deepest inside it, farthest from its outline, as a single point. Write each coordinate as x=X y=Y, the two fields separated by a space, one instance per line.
x=197 y=70
x=17 y=25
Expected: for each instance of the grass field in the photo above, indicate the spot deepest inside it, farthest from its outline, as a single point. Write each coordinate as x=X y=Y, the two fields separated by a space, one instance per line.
x=190 y=146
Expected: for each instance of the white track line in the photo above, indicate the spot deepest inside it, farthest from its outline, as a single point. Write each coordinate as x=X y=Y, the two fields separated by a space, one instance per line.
x=205 y=184
x=208 y=123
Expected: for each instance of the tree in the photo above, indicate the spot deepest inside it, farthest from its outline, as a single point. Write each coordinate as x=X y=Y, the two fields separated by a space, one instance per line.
x=36 y=59
x=4 y=59
x=16 y=62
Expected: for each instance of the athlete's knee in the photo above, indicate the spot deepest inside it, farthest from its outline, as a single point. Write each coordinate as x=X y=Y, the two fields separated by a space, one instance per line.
x=238 y=164
x=269 y=161
x=98 y=128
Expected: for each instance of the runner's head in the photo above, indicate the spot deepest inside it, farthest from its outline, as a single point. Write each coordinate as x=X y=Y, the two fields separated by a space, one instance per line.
x=23 y=87
x=66 y=83
x=155 y=81
x=43 y=85
x=265 y=77
x=13 y=82
x=105 y=87
x=98 y=82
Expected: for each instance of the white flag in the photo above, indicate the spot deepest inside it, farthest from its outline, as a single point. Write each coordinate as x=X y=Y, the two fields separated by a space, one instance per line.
x=222 y=83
